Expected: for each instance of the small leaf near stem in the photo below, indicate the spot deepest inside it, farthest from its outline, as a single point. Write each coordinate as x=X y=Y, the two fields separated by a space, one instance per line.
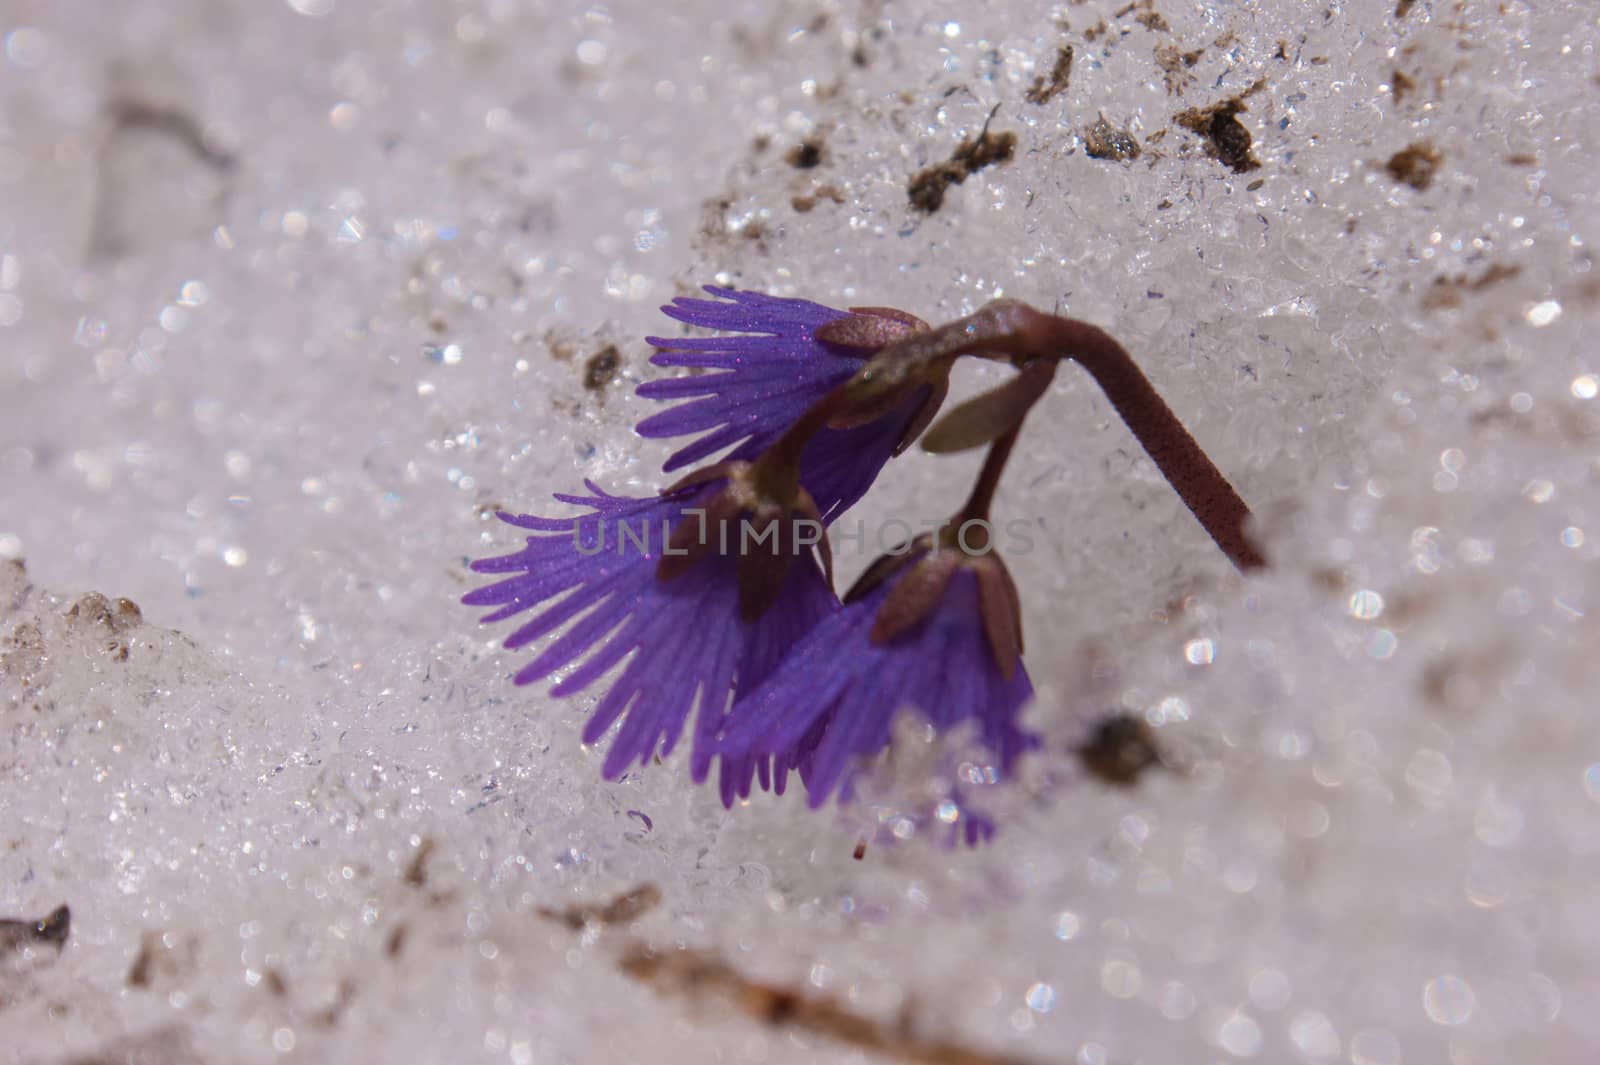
x=985 y=418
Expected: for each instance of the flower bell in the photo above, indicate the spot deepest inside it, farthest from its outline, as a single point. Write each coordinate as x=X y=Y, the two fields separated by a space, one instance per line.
x=933 y=632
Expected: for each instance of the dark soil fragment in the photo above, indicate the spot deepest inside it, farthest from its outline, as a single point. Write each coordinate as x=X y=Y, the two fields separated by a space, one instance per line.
x=1447 y=292
x=624 y=909
x=927 y=187
x=1175 y=65
x=806 y=155
x=139 y=971
x=416 y=873
x=804 y=203
x=1415 y=165
x=1105 y=141
x=1400 y=84
x=1045 y=89
x=51 y=929
x=162 y=960
x=98 y=616
x=1119 y=750
x=1227 y=139
x=601 y=369
x=120 y=207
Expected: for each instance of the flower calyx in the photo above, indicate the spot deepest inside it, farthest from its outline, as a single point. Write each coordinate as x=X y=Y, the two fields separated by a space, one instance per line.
x=1003 y=331
x=868 y=330
x=762 y=516
x=922 y=570
x=868 y=396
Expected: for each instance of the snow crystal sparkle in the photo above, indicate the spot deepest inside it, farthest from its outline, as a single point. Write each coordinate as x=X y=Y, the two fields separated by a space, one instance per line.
x=728 y=613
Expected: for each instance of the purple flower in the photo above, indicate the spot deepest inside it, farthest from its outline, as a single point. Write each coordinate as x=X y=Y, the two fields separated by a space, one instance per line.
x=687 y=642
x=770 y=375
x=936 y=633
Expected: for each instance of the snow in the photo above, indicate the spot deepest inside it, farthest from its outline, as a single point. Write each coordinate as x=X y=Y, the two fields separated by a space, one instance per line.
x=293 y=294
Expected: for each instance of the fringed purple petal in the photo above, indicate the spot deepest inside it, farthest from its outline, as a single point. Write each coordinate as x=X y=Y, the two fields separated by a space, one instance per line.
x=681 y=644
x=801 y=691
x=734 y=311
x=806 y=602
x=658 y=688
x=777 y=406
x=705 y=384
x=831 y=702
x=838 y=466
x=717 y=685
x=774 y=369
x=705 y=447
x=858 y=726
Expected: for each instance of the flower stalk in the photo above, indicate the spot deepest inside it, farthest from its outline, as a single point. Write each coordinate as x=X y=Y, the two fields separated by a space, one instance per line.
x=1013 y=332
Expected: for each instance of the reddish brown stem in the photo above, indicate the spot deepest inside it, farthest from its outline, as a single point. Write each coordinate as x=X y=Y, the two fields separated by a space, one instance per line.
x=994 y=464
x=1197 y=480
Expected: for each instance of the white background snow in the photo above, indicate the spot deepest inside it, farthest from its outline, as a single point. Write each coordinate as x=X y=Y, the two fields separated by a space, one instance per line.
x=292 y=294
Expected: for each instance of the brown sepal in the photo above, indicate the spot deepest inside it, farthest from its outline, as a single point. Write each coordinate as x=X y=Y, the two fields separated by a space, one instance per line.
x=808 y=509
x=761 y=574
x=764 y=566
x=991 y=415
x=872 y=407
x=1002 y=612
x=886 y=566
x=869 y=328
x=917 y=325
x=938 y=390
x=704 y=475
x=695 y=536
x=915 y=595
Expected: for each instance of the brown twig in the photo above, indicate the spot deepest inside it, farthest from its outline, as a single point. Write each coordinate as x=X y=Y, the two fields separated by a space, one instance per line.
x=624 y=909
x=699 y=975
x=702 y=976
